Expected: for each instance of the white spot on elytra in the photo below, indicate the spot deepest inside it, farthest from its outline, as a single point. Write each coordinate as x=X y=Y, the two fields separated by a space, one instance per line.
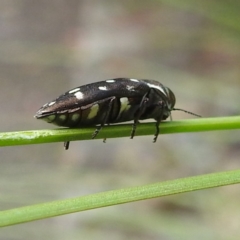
x=130 y=88
x=93 y=111
x=79 y=95
x=104 y=88
x=124 y=104
x=110 y=81
x=74 y=90
x=75 y=117
x=50 y=118
x=133 y=80
x=51 y=103
x=157 y=87
x=62 y=117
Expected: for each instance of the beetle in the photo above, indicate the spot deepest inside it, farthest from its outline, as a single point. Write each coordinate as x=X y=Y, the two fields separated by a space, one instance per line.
x=109 y=102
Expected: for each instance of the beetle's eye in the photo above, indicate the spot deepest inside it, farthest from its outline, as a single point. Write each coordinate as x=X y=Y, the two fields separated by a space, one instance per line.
x=171 y=98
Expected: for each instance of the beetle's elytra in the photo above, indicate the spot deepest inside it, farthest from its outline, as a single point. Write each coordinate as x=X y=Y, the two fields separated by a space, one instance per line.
x=110 y=101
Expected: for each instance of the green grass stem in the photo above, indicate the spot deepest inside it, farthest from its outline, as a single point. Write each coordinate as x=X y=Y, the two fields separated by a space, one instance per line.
x=117 y=131
x=104 y=199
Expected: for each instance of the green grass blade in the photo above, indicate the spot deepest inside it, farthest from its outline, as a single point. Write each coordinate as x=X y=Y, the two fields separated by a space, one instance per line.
x=116 y=131
x=104 y=199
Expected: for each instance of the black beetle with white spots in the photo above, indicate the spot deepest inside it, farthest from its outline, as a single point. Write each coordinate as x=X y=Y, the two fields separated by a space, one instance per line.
x=109 y=102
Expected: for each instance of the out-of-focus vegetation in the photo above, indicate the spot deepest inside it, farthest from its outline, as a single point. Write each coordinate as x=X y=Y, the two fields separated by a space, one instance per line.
x=193 y=47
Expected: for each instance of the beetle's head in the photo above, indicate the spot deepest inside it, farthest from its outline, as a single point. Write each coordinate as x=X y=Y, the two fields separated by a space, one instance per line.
x=170 y=103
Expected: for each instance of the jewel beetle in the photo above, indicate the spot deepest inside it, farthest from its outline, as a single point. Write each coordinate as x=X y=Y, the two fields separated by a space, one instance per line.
x=109 y=102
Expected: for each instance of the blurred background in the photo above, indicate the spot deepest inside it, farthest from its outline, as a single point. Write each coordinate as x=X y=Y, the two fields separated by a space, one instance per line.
x=49 y=47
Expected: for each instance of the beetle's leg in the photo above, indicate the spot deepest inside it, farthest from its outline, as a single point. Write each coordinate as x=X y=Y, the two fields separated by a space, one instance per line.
x=134 y=126
x=141 y=110
x=157 y=131
x=105 y=120
x=158 y=121
x=66 y=145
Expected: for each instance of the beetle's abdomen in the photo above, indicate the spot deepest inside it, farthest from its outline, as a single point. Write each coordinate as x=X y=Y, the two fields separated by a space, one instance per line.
x=122 y=110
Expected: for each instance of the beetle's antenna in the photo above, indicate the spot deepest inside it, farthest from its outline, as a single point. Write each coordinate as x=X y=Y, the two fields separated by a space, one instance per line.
x=194 y=114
